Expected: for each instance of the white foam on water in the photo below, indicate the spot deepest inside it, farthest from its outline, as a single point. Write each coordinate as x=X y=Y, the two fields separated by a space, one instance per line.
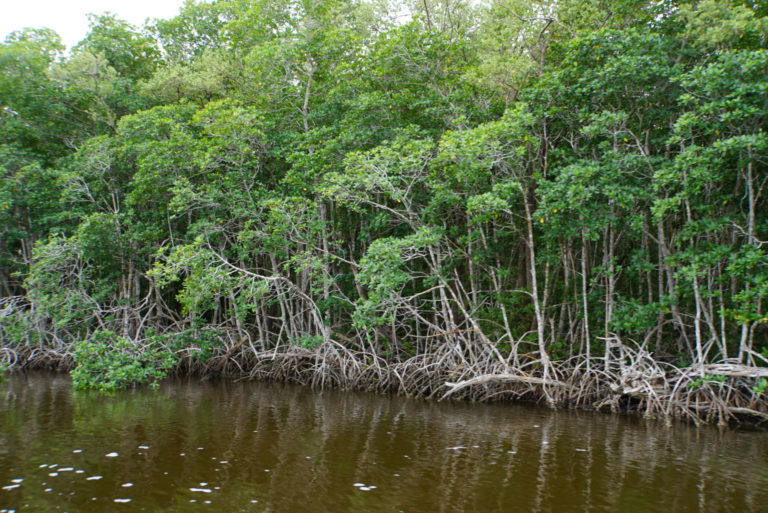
x=364 y=488
x=254 y=501
x=77 y=451
x=53 y=474
x=359 y=484
x=66 y=469
x=203 y=484
x=126 y=485
x=456 y=448
x=93 y=478
x=112 y=455
x=202 y=490
x=79 y=471
x=11 y=487
x=143 y=447
x=17 y=480
x=122 y=500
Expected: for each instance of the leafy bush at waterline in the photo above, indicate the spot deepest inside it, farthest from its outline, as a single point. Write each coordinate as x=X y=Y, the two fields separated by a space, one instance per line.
x=107 y=362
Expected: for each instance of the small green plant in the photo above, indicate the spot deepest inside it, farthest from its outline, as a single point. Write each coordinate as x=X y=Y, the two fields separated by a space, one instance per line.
x=761 y=386
x=4 y=367
x=107 y=362
x=308 y=341
x=719 y=379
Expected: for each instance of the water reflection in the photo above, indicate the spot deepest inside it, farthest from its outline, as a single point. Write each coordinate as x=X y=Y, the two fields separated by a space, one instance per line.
x=252 y=447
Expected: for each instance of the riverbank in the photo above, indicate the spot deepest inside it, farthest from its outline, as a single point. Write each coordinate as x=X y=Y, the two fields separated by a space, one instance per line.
x=632 y=383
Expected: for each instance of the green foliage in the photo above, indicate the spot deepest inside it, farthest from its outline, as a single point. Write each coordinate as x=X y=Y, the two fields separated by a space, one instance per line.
x=284 y=172
x=383 y=273
x=717 y=379
x=761 y=386
x=198 y=343
x=309 y=341
x=107 y=362
x=129 y=52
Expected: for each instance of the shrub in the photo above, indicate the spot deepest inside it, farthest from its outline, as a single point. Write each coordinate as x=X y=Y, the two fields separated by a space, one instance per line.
x=107 y=362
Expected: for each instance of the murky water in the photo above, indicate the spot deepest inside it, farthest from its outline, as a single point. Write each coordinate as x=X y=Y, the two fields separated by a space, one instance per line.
x=251 y=447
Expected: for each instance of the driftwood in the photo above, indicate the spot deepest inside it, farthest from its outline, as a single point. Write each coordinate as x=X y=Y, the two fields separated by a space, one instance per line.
x=500 y=378
x=736 y=370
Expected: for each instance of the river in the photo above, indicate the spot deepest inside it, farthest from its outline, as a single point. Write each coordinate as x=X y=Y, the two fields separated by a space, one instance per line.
x=223 y=446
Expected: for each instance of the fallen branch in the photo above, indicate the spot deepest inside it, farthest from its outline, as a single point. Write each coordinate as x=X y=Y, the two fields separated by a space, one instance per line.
x=496 y=378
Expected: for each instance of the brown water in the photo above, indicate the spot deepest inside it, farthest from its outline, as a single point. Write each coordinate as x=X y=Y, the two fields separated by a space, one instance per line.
x=248 y=447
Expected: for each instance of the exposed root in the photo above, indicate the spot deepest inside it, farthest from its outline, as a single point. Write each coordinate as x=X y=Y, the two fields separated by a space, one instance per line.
x=723 y=394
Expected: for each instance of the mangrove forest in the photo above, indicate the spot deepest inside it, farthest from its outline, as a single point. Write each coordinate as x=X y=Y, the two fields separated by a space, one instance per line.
x=557 y=201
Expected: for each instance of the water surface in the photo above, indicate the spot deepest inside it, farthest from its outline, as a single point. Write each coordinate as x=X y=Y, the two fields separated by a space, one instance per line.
x=203 y=446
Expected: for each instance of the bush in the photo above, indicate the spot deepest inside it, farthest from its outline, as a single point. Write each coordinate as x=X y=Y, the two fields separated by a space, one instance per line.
x=107 y=362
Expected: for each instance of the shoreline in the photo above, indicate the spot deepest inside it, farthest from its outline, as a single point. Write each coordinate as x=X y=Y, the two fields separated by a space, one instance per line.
x=645 y=390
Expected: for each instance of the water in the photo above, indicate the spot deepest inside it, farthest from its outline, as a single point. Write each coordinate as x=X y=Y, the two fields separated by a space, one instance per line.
x=248 y=447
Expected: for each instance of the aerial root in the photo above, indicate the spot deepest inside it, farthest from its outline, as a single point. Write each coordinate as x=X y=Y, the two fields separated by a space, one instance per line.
x=638 y=384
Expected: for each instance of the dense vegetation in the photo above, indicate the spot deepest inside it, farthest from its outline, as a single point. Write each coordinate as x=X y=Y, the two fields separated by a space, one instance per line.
x=559 y=200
